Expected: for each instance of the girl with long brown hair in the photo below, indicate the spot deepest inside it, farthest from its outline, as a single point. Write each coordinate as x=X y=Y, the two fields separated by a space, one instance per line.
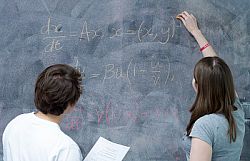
x=216 y=128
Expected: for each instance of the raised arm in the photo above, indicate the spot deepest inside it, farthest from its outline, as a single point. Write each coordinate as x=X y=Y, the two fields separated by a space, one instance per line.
x=190 y=23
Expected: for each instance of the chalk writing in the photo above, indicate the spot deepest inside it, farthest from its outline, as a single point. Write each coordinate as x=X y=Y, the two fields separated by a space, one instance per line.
x=73 y=123
x=55 y=35
x=49 y=28
x=111 y=115
x=74 y=120
x=54 y=45
x=158 y=70
x=89 y=34
x=155 y=68
x=78 y=66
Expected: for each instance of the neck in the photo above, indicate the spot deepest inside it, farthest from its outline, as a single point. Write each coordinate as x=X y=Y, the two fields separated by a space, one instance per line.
x=50 y=117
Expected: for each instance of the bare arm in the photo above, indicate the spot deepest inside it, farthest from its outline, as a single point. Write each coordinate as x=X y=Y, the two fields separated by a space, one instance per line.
x=200 y=150
x=190 y=23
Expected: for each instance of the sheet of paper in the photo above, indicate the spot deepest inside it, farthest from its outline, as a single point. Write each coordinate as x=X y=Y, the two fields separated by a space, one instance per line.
x=105 y=150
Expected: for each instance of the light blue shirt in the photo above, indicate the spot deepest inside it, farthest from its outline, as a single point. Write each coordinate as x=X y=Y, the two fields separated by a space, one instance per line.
x=213 y=129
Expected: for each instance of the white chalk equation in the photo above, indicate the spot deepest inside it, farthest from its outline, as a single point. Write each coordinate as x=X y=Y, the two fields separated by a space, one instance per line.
x=55 y=36
x=155 y=72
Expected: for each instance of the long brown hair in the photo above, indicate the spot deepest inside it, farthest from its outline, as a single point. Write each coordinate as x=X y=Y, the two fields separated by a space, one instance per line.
x=215 y=93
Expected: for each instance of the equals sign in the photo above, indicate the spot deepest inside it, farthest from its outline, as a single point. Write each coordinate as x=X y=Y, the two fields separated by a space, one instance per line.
x=94 y=76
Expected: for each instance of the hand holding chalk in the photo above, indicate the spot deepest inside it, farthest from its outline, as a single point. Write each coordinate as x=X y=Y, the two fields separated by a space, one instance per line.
x=189 y=21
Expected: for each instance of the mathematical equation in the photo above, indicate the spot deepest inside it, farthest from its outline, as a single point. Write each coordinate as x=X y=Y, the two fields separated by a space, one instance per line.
x=111 y=116
x=158 y=71
x=54 y=35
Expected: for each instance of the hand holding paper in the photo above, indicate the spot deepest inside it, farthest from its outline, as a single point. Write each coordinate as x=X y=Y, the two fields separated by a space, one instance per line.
x=105 y=150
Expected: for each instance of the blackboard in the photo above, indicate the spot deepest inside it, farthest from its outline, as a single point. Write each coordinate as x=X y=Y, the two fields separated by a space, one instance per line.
x=137 y=59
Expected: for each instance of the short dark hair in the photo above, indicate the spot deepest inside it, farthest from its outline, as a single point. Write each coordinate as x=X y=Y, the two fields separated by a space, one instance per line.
x=57 y=87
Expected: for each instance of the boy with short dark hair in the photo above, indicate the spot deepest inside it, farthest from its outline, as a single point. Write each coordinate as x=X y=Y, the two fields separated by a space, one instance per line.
x=37 y=136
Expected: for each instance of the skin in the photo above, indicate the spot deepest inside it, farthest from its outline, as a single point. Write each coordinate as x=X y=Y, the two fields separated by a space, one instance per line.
x=195 y=86
x=200 y=150
x=190 y=23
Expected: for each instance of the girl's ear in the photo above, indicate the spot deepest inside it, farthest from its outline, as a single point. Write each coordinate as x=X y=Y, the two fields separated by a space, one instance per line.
x=195 y=85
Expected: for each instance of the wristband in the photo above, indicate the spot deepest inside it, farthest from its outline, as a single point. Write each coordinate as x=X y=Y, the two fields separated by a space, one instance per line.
x=204 y=47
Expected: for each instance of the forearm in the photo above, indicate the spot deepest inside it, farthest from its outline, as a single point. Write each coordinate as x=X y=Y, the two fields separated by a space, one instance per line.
x=202 y=41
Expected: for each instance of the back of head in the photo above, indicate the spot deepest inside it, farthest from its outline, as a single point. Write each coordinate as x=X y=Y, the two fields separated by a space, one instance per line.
x=215 y=93
x=215 y=84
x=57 y=87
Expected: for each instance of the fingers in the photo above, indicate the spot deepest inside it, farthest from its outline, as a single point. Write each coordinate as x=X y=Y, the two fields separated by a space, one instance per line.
x=184 y=16
x=181 y=18
x=188 y=20
x=186 y=13
x=193 y=16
